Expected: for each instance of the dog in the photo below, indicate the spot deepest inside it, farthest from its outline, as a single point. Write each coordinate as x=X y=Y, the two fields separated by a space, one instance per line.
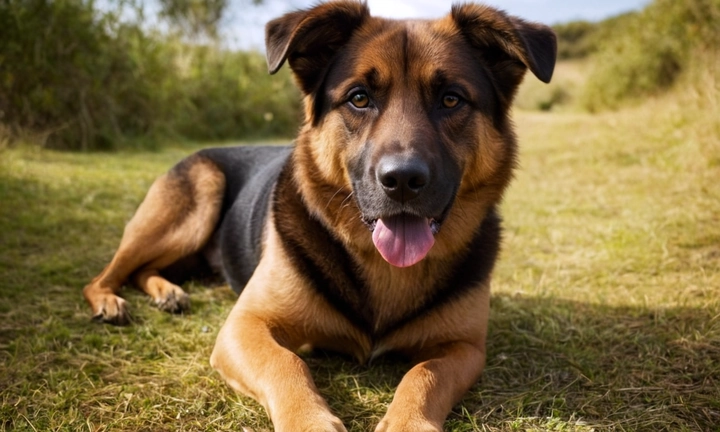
x=376 y=231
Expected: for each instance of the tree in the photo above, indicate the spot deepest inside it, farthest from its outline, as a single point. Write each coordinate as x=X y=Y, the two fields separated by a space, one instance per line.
x=196 y=18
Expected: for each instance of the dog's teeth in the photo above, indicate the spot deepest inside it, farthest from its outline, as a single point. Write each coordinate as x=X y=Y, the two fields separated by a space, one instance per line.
x=434 y=226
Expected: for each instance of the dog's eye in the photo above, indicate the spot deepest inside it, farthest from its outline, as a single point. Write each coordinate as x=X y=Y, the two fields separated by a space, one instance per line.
x=360 y=100
x=450 y=100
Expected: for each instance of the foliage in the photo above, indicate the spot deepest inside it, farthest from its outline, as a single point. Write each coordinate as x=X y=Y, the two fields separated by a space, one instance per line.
x=195 y=17
x=649 y=51
x=579 y=39
x=85 y=79
x=229 y=95
x=575 y=39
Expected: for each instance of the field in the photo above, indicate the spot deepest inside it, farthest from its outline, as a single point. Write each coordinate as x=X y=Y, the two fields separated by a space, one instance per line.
x=605 y=307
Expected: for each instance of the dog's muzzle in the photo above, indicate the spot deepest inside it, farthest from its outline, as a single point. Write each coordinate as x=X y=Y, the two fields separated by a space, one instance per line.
x=403 y=238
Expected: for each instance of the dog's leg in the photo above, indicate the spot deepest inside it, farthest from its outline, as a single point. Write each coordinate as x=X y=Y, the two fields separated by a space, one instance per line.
x=444 y=374
x=255 y=349
x=176 y=218
x=250 y=357
x=167 y=296
x=429 y=390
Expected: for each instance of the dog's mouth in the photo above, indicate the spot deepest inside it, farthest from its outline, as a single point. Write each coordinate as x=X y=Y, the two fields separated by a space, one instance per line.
x=403 y=239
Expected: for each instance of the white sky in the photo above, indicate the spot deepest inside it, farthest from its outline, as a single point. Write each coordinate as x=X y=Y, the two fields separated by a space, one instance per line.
x=244 y=23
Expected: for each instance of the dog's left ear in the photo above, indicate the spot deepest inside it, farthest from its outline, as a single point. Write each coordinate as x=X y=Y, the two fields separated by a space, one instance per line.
x=508 y=45
x=310 y=38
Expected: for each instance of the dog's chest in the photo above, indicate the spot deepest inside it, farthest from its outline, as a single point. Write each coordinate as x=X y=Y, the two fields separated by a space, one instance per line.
x=394 y=295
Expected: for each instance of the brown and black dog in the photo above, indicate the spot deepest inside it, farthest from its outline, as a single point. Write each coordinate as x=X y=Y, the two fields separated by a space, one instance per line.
x=376 y=231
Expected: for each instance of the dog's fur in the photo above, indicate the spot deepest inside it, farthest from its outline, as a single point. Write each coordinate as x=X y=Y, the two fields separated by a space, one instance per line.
x=406 y=124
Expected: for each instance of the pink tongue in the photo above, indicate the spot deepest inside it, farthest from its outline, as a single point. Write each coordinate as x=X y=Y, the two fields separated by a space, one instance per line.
x=403 y=240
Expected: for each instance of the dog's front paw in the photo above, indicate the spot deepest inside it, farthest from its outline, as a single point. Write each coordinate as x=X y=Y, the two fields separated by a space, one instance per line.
x=409 y=424
x=171 y=298
x=320 y=422
x=109 y=308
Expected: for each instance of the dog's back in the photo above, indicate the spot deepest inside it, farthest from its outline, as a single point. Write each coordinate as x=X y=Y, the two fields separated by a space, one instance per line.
x=250 y=173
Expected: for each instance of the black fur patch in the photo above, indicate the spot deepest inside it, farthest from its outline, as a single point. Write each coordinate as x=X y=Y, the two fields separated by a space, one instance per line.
x=318 y=255
x=250 y=173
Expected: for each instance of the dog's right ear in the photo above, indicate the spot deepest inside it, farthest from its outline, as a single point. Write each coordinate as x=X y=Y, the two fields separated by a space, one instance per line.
x=308 y=39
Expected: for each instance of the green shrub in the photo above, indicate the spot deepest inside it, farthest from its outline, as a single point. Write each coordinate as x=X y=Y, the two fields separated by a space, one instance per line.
x=84 y=79
x=575 y=39
x=580 y=39
x=645 y=54
x=229 y=95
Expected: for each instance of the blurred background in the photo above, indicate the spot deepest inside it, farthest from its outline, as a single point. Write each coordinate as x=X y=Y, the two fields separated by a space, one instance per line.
x=605 y=305
x=110 y=74
x=243 y=27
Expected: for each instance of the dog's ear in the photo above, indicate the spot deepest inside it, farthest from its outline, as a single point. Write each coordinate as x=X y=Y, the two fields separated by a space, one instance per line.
x=508 y=45
x=309 y=39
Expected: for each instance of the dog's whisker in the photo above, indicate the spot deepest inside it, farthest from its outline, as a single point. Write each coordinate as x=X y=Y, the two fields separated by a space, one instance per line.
x=345 y=203
x=342 y=206
x=332 y=198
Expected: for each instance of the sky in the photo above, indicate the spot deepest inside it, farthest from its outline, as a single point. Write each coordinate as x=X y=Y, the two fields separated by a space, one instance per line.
x=244 y=23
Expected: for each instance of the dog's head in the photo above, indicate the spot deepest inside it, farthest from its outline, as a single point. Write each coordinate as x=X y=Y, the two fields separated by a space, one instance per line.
x=409 y=118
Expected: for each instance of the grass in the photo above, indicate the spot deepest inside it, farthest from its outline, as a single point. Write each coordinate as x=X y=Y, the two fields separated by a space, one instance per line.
x=563 y=92
x=605 y=309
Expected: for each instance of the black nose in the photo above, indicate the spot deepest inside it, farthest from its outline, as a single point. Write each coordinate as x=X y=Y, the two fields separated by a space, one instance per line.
x=402 y=179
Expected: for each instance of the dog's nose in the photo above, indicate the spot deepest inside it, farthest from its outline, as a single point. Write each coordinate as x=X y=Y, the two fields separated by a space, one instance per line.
x=402 y=179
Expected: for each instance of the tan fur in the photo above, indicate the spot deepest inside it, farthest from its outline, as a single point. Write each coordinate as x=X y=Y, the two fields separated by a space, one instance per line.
x=277 y=314
x=274 y=317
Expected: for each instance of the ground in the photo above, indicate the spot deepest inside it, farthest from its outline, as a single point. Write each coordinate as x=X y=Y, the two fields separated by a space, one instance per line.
x=605 y=306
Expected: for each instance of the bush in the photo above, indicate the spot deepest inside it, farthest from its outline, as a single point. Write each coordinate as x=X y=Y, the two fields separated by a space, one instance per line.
x=646 y=53
x=575 y=39
x=229 y=95
x=84 y=79
x=580 y=39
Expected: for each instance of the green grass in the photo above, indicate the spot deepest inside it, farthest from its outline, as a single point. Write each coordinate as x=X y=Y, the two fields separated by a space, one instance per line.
x=605 y=309
x=562 y=94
